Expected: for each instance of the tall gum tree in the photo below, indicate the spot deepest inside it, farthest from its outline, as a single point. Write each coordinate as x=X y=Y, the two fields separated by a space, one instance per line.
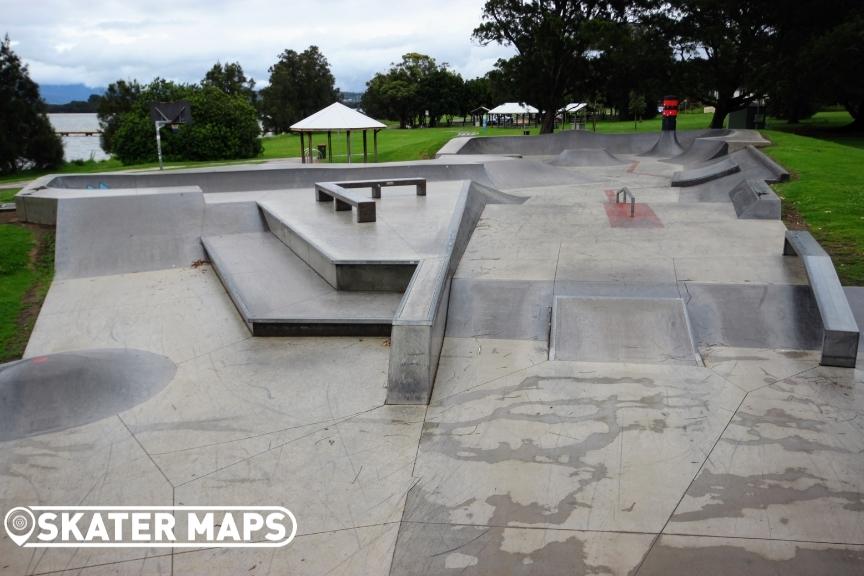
x=552 y=39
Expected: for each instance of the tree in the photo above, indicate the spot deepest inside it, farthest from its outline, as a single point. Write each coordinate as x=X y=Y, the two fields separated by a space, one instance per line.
x=478 y=92
x=412 y=87
x=725 y=45
x=230 y=79
x=631 y=57
x=28 y=140
x=552 y=40
x=300 y=84
x=636 y=104
x=119 y=98
x=223 y=126
x=837 y=55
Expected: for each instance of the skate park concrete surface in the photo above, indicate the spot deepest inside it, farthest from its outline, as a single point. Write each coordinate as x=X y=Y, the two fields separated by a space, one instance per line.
x=514 y=374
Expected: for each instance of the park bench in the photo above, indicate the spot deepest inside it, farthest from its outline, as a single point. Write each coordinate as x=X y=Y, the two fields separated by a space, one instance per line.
x=841 y=334
x=376 y=185
x=344 y=199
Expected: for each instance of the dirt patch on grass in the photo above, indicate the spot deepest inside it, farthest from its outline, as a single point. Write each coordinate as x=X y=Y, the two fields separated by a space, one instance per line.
x=792 y=217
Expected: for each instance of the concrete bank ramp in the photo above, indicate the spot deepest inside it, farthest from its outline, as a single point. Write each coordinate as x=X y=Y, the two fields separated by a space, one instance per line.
x=553 y=144
x=757 y=166
x=101 y=232
x=515 y=174
x=701 y=150
x=705 y=172
x=639 y=330
x=582 y=157
x=58 y=391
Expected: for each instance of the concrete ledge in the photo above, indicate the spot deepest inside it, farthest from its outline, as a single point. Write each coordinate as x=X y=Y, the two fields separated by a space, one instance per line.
x=420 y=320
x=754 y=199
x=705 y=172
x=841 y=333
x=354 y=276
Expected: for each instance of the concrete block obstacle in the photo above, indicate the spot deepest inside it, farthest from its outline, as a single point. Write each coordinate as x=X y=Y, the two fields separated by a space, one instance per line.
x=754 y=199
x=344 y=200
x=840 y=330
x=376 y=185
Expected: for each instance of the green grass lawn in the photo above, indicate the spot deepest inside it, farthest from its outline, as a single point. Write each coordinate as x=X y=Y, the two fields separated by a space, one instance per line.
x=26 y=268
x=827 y=190
x=8 y=194
x=393 y=144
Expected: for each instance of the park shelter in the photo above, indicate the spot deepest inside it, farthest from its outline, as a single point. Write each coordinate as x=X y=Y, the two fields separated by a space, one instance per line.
x=514 y=109
x=477 y=115
x=572 y=109
x=334 y=118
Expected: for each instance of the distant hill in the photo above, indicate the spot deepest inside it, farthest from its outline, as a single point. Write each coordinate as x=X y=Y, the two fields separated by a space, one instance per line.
x=65 y=93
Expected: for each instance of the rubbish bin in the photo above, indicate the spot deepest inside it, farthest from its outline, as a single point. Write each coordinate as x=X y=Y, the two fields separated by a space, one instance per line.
x=322 y=151
x=526 y=132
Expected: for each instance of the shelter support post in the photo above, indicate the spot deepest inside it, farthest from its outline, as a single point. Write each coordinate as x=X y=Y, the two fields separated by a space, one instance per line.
x=302 y=149
x=348 y=142
x=365 y=153
x=329 y=147
x=375 y=144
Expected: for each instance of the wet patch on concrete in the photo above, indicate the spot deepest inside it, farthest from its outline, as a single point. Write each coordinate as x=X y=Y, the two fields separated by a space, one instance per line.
x=567 y=447
x=731 y=495
x=674 y=556
x=440 y=549
x=58 y=391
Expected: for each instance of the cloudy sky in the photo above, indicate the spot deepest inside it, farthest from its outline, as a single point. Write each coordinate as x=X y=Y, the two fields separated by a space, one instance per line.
x=95 y=42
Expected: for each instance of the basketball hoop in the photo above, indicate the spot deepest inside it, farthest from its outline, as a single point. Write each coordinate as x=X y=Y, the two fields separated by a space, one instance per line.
x=172 y=114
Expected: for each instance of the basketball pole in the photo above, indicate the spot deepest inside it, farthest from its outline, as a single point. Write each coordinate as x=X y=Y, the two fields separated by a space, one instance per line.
x=159 y=125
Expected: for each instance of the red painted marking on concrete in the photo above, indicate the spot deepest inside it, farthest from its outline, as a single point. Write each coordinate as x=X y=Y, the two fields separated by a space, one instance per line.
x=39 y=360
x=633 y=166
x=619 y=214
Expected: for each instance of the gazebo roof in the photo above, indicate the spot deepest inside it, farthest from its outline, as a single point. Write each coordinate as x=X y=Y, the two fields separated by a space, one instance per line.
x=513 y=108
x=336 y=116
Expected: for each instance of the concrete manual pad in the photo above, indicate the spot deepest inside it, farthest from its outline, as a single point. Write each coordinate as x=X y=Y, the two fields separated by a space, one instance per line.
x=271 y=285
x=645 y=330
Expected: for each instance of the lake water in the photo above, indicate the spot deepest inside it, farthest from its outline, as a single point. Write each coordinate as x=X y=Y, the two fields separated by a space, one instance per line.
x=78 y=147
